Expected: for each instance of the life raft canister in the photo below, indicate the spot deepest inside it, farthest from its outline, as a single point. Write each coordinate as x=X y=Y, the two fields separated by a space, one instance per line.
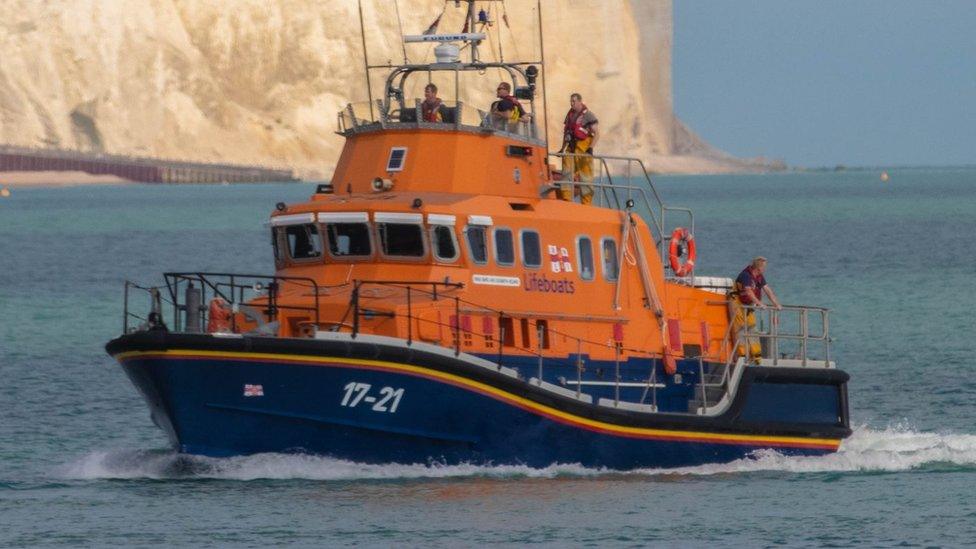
x=218 y=316
x=681 y=240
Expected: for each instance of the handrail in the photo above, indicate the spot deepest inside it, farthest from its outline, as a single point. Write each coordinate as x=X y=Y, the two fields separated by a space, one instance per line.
x=231 y=287
x=466 y=118
x=540 y=327
x=645 y=190
x=235 y=295
x=773 y=337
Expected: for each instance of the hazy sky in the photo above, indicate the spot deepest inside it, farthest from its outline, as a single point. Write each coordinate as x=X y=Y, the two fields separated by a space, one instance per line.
x=826 y=82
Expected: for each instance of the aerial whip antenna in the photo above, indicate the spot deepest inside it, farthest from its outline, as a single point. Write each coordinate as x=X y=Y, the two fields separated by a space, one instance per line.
x=362 y=34
x=396 y=5
x=545 y=83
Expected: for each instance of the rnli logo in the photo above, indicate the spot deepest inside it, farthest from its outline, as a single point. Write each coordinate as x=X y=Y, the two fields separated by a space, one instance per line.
x=536 y=283
x=559 y=260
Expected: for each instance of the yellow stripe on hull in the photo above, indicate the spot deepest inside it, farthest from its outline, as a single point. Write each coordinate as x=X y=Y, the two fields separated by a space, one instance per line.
x=541 y=409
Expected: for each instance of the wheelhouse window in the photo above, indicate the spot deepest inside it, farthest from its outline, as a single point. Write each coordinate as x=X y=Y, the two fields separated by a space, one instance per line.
x=477 y=237
x=531 y=249
x=303 y=241
x=504 y=247
x=444 y=243
x=608 y=251
x=401 y=239
x=348 y=240
x=584 y=247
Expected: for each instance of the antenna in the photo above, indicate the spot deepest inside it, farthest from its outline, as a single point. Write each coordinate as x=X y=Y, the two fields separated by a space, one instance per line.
x=469 y=24
x=362 y=34
x=545 y=83
x=396 y=5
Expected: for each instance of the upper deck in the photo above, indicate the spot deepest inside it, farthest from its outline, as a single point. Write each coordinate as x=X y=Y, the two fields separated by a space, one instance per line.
x=465 y=155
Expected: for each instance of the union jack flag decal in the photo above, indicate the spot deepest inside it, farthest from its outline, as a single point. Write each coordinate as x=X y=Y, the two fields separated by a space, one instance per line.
x=253 y=390
x=559 y=260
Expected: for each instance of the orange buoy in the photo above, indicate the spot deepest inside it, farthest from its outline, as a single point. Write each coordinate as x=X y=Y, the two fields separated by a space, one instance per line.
x=681 y=239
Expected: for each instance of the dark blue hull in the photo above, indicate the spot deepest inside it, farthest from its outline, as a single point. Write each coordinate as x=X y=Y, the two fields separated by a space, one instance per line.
x=369 y=402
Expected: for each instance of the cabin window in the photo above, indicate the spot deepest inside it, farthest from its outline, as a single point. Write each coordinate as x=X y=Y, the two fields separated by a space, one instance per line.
x=477 y=237
x=504 y=247
x=401 y=239
x=348 y=239
x=398 y=155
x=608 y=251
x=303 y=241
x=531 y=250
x=584 y=247
x=444 y=243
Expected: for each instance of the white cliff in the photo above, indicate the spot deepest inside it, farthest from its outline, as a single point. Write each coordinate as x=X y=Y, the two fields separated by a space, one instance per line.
x=261 y=81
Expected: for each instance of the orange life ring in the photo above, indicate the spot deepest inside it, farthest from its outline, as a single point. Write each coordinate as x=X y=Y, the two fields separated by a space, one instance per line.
x=218 y=317
x=679 y=236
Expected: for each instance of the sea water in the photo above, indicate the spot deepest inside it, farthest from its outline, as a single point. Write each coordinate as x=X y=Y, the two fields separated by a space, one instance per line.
x=82 y=464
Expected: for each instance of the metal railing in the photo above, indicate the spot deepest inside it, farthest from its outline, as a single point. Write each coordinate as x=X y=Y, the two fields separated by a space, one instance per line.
x=774 y=330
x=359 y=117
x=787 y=333
x=188 y=294
x=790 y=334
x=621 y=182
x=436 y=291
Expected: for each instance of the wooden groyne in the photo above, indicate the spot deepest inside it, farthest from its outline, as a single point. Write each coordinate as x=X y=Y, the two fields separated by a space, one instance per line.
x=135 y=168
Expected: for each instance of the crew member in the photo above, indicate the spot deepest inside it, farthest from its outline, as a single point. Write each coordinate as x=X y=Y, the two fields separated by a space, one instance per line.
x=507 y=110
x=581 y=130
x=747 y=296
x=432 y=107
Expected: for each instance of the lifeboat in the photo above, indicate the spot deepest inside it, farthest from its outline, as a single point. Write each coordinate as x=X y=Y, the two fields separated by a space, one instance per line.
x=440 y=301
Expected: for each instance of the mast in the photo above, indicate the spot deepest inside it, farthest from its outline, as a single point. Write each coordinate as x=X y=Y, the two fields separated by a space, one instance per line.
x=470 y=20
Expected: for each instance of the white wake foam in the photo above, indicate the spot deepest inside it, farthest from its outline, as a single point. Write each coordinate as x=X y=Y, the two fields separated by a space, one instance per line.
x=164 y=465
x=893 y=449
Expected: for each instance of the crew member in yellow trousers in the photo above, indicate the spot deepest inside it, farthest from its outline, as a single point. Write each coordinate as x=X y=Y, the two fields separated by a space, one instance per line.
x=580 y=134
x=748 y=290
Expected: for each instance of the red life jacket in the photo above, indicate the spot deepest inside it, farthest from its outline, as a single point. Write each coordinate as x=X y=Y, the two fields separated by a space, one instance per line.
x=573 y=129
x=516 y=106
x=431 y=110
